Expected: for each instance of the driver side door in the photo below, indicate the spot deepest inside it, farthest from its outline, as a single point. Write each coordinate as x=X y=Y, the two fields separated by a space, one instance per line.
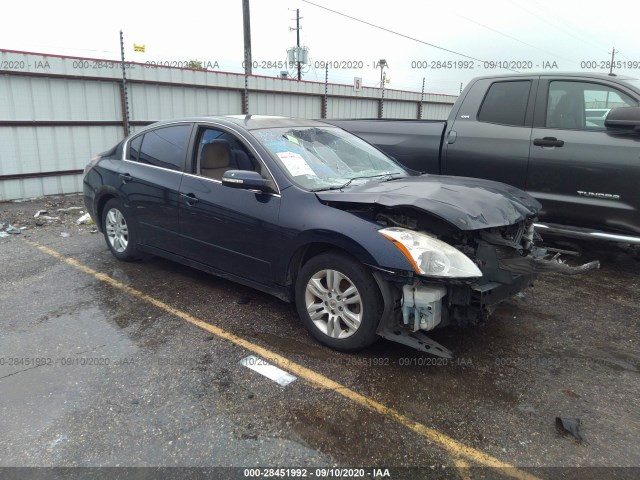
x=583 y=174
x=231 y=230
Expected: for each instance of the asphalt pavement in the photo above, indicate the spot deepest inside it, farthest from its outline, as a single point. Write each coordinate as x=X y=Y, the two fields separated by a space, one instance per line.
x=104 y=363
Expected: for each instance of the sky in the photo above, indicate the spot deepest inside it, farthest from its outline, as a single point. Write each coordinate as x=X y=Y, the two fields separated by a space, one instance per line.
x=449 y=42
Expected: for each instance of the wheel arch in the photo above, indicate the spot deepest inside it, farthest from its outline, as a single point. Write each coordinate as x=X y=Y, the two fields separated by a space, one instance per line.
x=101 y=200
x=315 y=246
x=375 y=251
x=304 y=253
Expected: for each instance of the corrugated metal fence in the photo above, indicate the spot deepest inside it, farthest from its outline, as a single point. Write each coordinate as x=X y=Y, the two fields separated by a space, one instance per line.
x=56 y=112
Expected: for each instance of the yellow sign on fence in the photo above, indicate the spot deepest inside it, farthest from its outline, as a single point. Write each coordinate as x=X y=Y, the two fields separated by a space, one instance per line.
x=138 y=48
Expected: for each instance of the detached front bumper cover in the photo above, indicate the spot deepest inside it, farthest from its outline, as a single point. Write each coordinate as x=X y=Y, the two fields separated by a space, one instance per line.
x=544 y=263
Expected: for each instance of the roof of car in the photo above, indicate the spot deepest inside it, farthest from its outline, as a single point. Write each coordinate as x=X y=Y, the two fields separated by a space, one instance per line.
x=253 y=122
x=562 y=74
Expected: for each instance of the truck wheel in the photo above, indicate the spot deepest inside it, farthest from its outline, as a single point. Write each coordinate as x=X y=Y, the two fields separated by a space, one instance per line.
x=118 y=231
x=338 y=301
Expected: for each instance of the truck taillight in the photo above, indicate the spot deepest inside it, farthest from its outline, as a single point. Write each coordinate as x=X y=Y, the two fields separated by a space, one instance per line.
x=91 y=163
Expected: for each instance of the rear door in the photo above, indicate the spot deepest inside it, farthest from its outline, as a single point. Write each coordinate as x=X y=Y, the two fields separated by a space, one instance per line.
x=583 y=174
x=150 y=178
x=490 y=135
x=229 y=229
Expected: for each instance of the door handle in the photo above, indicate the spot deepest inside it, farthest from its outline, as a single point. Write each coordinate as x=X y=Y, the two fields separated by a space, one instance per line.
x=452 y=137
x=548 y=142
x=190 y=198
x=126 y=178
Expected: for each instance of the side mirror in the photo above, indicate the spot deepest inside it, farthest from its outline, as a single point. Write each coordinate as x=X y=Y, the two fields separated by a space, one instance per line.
x=245 y=179
x=627 y=118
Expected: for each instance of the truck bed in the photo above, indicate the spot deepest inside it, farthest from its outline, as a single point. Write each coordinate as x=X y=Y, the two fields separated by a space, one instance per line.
x=413 y=143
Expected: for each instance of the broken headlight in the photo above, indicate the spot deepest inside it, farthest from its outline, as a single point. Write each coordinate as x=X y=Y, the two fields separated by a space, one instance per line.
x=430 y=256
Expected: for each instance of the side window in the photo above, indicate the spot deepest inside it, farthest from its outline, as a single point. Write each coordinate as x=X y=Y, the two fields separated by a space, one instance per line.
x=165 y=147
x=134 y=148
x=582 y=105
x=219 y=151
x=506 y=103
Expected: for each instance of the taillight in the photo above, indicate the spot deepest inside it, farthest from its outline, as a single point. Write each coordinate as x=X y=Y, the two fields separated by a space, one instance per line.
x=91 y=164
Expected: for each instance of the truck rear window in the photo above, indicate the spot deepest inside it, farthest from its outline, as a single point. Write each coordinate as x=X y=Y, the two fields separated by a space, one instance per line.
x=506 y=103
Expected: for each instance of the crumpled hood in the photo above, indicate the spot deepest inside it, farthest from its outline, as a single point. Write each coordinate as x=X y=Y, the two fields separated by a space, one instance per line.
x=467 y=203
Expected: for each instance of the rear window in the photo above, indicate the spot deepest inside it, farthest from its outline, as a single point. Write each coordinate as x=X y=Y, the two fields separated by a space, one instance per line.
x=506 y=103
x=163 y=147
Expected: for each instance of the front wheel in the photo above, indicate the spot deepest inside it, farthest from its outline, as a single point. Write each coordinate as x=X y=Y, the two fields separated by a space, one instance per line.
x=339 y=301
x=118 y=231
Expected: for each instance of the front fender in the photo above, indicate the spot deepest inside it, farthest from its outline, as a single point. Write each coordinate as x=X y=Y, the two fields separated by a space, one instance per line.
x=308 y=223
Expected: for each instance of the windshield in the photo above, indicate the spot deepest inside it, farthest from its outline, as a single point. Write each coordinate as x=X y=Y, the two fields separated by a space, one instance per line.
x=318 y=158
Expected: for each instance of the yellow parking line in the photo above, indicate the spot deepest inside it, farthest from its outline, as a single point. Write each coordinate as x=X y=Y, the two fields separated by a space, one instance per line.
x=455 y=448
x=463 y=469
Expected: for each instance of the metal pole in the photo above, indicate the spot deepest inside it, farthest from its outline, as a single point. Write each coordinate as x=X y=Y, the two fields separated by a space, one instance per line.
x=125 y=112
x=326 y=90
x=613 y=55
x=421 y=99
x=245 y=104
x=381 y=112
x=246 y=21
x=298 y=42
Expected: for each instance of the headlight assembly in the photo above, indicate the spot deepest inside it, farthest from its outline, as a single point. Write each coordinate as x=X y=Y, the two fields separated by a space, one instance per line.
x=430 y=256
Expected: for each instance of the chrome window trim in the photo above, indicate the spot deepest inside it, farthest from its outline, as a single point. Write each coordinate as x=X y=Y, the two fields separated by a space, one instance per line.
x=125 y=147
x=258 y=157
x=219 y=182
x=144 y=130
x=153 y=166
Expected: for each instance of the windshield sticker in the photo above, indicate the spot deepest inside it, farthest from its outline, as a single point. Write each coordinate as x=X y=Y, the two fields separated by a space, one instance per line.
x=295 y=163
x=293 y=139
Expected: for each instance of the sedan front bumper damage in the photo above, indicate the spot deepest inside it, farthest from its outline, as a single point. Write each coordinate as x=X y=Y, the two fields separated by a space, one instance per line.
x=526 y=265
x=411 y=309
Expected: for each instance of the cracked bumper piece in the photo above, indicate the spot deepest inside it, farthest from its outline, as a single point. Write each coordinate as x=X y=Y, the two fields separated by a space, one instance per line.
x=490 y=294
x=526 y=265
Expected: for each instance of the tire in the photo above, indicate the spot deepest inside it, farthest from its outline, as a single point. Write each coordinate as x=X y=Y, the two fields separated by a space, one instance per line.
x=329 y=315
x=118 y=231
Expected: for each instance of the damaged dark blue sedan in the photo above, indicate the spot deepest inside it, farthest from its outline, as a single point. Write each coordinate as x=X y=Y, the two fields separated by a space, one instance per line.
x=315 y=215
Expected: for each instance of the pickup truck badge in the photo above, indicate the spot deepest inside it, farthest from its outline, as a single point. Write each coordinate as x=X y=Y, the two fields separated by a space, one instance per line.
x=465 y=116
x=606 y=196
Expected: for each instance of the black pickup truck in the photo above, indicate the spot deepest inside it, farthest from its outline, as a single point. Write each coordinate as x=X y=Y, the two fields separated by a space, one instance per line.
x=572 y=141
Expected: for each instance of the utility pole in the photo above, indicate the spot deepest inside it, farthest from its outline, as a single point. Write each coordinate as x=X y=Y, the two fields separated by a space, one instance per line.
x=421 y=100
x=613 y=56
x=298 y=42
x=246 y=21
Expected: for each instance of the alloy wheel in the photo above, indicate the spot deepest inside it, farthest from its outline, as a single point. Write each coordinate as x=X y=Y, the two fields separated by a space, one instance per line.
x=117 y=230
x=334 y=303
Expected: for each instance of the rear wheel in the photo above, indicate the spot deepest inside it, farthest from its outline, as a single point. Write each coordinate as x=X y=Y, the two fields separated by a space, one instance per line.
x=339 y=301
x=118 y=231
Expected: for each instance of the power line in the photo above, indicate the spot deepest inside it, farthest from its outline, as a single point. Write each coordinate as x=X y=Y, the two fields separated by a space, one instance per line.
x=395 y=33
x=512 y=38
x=558 y=25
